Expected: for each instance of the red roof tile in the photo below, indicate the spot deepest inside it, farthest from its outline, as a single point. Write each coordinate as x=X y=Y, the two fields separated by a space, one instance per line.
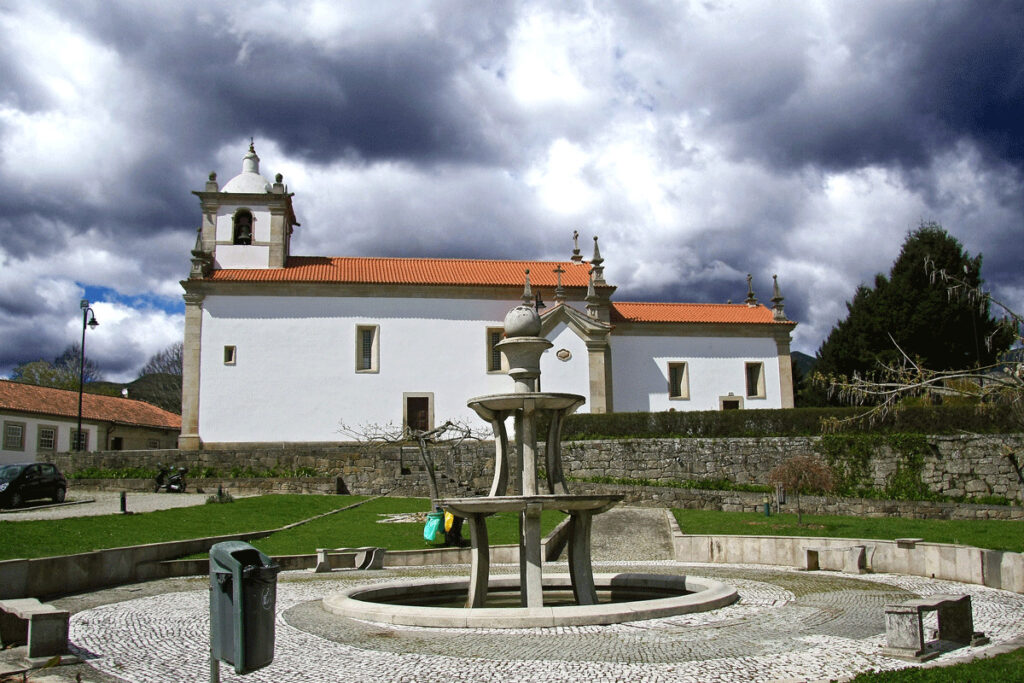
x=28 y=398
x=637 y=312
x=411 y=271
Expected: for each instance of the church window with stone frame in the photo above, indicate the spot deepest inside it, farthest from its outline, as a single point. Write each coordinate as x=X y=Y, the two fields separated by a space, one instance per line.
x=755 y=380
x=230 y=355
x=678 y=381
x=494 y=335
x=242 y=227
x=367 y=348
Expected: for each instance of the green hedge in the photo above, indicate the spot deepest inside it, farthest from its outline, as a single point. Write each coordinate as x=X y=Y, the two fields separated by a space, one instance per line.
x=984 y=419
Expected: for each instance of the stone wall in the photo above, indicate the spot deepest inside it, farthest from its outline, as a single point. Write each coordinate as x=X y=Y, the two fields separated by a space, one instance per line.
x=954 y=465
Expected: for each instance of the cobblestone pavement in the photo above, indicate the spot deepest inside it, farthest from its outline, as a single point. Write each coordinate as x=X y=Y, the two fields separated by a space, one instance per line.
x=788 y=625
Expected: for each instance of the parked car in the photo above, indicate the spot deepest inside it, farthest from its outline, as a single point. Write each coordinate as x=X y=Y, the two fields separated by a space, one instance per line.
x=29 y=481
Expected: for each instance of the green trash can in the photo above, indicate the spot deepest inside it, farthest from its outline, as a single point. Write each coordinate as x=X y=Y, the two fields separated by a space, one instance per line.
x=243 y=595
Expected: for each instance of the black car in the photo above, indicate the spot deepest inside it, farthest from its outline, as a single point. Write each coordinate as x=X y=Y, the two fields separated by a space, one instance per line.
x=29 y=481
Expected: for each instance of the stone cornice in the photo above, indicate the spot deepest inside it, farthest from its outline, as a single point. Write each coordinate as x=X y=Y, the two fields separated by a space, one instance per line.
x=334 y=289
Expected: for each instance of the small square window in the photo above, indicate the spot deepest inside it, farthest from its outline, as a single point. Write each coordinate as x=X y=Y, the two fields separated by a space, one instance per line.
x=152 y=443
x=230 y=354
x=367 y=348
x=755 y=380
x=14 y=436
x=494 y=335
x=678 y=381
x=46 y=438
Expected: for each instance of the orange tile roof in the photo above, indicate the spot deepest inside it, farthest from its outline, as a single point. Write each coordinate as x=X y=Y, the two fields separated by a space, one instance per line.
x=638 y=312
x=411 y=271
x=28 y=398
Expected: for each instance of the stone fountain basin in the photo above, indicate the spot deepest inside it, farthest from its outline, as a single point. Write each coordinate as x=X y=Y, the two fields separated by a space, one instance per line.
x=635 y=597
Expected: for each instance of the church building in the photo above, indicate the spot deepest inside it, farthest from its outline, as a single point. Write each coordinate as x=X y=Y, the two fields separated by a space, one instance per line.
x=283 y=348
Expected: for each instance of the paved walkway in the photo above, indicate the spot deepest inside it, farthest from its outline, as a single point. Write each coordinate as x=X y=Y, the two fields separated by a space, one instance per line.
x=787 y=625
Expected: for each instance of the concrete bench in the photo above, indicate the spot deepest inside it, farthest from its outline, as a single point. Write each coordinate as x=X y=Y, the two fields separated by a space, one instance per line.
x=42 y=627
x=853 y=559
x=904 y=626
x=368 y=557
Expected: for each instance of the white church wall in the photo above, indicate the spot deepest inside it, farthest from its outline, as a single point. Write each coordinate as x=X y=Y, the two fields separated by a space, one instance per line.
x=571 y=376
x=239 y=256
x=294 y=373
x=716 y=367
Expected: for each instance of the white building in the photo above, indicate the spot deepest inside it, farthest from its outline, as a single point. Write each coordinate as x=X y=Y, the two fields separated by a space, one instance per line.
x=281 y=348
x=38 y=422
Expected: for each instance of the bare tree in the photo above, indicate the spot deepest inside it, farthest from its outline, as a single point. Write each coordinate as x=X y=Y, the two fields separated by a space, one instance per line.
x=999 y=383
x=451 y=434
x=167 y=361
x=802 y=474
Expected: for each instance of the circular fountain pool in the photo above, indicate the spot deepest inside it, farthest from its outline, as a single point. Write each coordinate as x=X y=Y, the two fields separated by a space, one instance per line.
x=622 y=598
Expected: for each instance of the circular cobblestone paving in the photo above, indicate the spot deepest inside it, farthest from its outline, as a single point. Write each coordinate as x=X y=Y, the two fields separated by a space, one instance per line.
x=786 y=625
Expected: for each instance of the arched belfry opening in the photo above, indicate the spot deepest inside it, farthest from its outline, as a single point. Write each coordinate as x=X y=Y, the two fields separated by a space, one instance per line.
x=242 y=231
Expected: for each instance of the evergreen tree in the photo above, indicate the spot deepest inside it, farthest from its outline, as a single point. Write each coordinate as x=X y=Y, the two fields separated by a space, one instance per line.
x=909 y=310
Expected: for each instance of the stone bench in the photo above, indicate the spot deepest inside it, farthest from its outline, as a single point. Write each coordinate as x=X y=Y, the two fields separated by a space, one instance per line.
x=904 y=626
x=368 y=557
x=43 y=628
x=853 y=558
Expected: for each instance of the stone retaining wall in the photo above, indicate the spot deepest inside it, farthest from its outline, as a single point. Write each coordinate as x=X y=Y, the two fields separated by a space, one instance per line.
x=954 y=465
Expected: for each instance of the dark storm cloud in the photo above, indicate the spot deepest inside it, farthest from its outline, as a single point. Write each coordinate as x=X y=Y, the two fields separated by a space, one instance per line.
x=916 y=79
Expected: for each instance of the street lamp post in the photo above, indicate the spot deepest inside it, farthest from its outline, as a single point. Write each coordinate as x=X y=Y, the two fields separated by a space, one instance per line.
x=88 y=320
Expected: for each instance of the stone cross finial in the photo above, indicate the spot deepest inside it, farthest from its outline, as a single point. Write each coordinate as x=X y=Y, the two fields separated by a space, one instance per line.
x=559 y=290
x=576 y=256
x=751 y=299
x=777 y=310
x=527 y=292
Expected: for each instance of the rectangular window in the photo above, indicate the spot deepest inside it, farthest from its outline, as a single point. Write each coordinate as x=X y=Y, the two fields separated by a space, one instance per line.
x=367 y=348
x=14 y=436
x=79 y=440
x=755 y=380
x=46 y=438
x=494 y=335
x=230 y=352
x=678 y=381
x=152 y=443
x=730 y=402
x=117 y=443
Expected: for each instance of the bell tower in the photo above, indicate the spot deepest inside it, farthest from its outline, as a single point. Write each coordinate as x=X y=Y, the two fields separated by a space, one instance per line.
x=247 y=223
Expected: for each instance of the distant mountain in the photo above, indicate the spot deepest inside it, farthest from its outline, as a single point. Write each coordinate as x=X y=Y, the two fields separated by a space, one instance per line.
x=803 y=363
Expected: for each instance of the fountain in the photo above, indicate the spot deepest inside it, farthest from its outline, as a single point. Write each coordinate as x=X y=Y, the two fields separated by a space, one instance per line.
x=631 y=596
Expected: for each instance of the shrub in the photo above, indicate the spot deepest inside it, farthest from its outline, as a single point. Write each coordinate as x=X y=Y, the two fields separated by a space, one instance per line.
x=944 y=419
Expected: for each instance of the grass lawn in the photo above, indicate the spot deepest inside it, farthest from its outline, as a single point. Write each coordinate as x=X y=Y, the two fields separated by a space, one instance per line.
x=359 y=527
x=1003 y=668
x=983 y=533
x=356 y=527
x=43 y=538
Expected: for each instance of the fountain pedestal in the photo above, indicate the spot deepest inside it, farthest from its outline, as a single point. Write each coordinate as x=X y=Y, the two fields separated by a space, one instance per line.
x=527 y=407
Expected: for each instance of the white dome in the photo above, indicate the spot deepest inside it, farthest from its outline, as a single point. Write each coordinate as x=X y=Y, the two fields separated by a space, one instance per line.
x=249 y=180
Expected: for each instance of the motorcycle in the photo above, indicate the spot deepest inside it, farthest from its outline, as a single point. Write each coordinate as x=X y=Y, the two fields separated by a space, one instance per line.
x=170 y=480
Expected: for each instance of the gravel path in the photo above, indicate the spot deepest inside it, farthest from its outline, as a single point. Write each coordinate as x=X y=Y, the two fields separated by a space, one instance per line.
x=87 y=503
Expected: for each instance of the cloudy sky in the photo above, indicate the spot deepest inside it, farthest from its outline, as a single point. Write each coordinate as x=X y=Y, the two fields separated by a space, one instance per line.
x=700 y=140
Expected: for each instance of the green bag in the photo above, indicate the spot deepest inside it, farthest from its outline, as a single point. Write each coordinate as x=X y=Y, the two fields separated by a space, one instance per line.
x=434 y=520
